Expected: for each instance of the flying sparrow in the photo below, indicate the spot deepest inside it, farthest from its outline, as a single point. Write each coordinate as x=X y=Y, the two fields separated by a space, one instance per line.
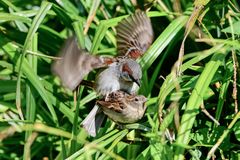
x=134 y=36
x=120 y=73
x=121 y=107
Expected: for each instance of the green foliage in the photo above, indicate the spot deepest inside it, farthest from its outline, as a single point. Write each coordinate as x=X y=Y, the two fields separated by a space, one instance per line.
x=193 y=115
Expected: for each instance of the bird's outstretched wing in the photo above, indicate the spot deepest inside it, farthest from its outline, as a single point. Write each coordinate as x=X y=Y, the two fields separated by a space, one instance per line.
x=134 y=35
x=75 y=64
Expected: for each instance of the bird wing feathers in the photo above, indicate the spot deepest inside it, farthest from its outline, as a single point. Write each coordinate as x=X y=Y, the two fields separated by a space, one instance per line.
x=134 y=35
x=75 y=64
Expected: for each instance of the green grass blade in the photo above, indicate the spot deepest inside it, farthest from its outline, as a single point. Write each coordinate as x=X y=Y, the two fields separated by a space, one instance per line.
x=36 y=23
x=30 y=101
x=12 y=17
x=162 y=41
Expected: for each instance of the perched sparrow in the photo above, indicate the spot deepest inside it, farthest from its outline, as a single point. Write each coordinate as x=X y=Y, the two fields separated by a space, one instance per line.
x=124 y=108
x=134 y=36
x=121 y=108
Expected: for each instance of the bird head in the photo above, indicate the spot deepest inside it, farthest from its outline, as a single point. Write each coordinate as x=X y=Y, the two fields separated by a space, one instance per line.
x=131 y=71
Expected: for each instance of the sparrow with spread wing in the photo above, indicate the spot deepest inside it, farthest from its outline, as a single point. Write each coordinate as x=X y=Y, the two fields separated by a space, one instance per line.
x=134 y=36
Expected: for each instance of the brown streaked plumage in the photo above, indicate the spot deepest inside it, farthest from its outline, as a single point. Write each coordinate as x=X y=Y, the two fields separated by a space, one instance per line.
x=124 y=108
x=134 y=35
x=121 y=107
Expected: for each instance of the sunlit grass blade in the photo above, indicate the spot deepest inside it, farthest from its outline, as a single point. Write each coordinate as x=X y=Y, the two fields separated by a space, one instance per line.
x=8 y=4
x=30 y=101
x=91 y=14
x=36 y=22
x=12 y=17
x=162 y=41
x=99 y=144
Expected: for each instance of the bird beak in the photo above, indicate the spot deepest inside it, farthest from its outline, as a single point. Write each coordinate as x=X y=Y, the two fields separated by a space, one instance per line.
x=138 y=82
x=135 y=80
x=144 y=99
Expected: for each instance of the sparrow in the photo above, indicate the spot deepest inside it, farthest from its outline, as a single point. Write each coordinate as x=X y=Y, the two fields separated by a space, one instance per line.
x=119 y=73
x=123 y=75
x=121 y=108
x=134 y=36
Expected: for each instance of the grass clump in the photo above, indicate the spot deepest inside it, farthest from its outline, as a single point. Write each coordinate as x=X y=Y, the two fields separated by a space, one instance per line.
x=190 y=76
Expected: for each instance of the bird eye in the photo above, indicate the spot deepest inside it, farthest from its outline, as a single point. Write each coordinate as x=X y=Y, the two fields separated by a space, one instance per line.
x=136 y=99
x=126 y=76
